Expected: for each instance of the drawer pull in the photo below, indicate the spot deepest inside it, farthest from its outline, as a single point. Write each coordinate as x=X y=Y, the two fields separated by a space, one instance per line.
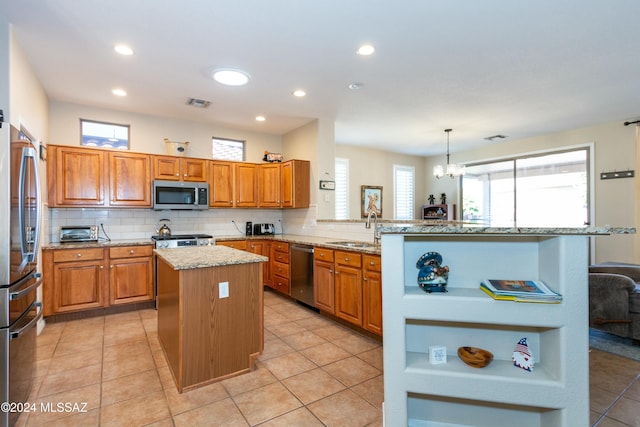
x=346 y=259
x=79 y=255
x=131 y=251
x=321 y=254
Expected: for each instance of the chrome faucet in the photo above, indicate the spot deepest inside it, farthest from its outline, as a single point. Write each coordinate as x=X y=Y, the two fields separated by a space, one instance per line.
x=376 y=232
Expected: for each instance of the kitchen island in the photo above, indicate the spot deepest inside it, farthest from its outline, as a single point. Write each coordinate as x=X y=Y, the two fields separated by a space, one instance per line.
x=210 y=312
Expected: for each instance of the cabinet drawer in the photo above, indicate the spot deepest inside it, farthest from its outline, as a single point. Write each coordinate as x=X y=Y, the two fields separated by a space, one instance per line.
x=322 y=254
x=372 y=262
x=280 y=269
x=282 y=257
x=235 y=244
x=281 y=246
x=87 y=254
x=281 y=284
x=348 y=258
x=130 y=251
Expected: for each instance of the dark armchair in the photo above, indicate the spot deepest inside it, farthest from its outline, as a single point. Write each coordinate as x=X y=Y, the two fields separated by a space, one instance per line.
x=614 y=299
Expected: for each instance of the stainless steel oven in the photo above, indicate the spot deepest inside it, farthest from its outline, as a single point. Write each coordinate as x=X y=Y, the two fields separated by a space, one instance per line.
x=20 y=212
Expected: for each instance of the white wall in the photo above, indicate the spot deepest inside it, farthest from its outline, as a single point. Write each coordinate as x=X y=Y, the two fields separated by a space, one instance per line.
x=375 y=167
x=147 y=132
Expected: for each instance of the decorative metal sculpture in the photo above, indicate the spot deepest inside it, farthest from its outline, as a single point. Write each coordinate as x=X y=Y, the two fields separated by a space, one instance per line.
x=432 y=276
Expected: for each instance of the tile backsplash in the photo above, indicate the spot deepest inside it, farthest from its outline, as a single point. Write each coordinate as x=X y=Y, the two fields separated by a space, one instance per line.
x=141 y=223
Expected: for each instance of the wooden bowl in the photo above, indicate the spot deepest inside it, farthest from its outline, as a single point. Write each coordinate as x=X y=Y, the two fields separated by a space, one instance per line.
x=475 y=357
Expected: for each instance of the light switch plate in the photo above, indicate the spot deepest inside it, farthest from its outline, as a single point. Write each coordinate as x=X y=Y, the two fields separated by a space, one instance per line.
x=223 y=289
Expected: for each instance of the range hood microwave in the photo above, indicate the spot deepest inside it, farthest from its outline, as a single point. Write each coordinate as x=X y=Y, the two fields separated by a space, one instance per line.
x=180 y=195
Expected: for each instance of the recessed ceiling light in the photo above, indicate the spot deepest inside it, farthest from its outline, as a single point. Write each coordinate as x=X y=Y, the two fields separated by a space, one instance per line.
x=260 y=118
x=299 y=93
x=355 y=85
x=230 y=77
x=123 y=49
x=366 y=50
x=119 y=92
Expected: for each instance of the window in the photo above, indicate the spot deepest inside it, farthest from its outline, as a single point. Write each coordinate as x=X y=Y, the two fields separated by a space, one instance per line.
x=545 y=190
x=403 y=191
x=342 y=189
x=104 y=135
x=227 y=149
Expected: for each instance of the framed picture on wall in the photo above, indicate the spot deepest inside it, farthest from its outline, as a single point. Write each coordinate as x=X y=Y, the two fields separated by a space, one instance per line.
x=371 y=200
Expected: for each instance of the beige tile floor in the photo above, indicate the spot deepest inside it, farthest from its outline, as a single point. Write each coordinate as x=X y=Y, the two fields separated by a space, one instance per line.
x=313 y=372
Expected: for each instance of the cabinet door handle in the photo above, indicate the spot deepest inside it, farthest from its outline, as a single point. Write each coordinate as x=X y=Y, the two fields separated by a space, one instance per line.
x=102 y=267
x=185 y=174
x=331 y=271
x=111 y=266
x=177 y=174
x=365 y=279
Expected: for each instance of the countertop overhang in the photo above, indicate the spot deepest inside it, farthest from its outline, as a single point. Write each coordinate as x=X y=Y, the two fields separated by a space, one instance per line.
x=206 y=256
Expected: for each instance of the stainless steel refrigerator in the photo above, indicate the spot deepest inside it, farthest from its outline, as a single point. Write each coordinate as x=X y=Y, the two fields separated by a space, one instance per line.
x=20 y=219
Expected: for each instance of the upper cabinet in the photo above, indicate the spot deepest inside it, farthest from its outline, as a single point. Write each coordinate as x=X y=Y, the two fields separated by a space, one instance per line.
x=172 y=168
x=83 y=176
x=90 y=177
x=221 y=184
x=284 y=185
x=129 y=179
x=296 y=179
x=75 y=176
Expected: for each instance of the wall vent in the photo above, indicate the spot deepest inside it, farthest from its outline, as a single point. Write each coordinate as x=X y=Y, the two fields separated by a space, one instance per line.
x=198 y=103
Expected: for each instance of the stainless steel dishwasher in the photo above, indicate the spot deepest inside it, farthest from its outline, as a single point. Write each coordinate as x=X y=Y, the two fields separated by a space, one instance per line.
x=302 y=273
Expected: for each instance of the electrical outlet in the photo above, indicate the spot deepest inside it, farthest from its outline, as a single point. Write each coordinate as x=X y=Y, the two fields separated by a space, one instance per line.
x=223 y=290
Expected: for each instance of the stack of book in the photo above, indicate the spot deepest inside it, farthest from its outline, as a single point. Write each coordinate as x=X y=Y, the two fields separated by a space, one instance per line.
x=520 y=291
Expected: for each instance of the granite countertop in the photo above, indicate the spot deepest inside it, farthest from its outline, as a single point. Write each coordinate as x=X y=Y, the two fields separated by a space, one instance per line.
x=326 y=242
x=206 y=256
x=533 y=231
x=99 y=244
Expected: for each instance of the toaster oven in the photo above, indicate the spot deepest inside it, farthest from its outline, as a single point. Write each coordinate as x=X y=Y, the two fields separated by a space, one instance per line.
x=79 y=233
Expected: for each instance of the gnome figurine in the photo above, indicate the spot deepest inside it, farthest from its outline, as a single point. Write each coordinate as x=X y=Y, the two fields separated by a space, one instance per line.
x=522 y=358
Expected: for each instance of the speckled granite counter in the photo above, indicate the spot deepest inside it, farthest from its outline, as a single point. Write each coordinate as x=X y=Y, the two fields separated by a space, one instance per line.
x=430 y=229
x=100 y=244
x=206 y=256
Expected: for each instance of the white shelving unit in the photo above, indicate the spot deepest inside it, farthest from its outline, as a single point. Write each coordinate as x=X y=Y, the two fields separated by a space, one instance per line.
x=417 y=393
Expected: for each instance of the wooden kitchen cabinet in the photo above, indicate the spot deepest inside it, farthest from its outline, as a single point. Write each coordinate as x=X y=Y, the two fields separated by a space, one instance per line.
x=269 y=185
x=221 y=181
x=73 y=280
x=173 y=168
x=76 y=176
x=235 y=244
x=130 y=179
x=279 y=268
x=323 y=280
x=78 y=279
x=130 y=274
x=246 y=189
x=80 y=177
x=348 y=286
x=372 y=293
x=295 y=182
x=261 y=247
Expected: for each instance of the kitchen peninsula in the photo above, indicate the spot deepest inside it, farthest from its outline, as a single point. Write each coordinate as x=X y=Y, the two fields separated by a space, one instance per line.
x=210 y=312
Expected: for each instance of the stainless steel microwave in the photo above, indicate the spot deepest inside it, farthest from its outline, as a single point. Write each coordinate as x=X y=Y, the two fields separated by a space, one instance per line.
x=180 y=195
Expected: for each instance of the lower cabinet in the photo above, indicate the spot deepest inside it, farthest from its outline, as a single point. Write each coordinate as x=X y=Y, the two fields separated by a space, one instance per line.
x=372 y=293
x=323 y=280
x=77 y=279
x=261 y=247
x=130 y=274
x=348 y=285
x=279 y=268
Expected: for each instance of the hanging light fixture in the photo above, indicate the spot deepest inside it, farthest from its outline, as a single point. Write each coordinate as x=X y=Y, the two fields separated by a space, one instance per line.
x=452 y=170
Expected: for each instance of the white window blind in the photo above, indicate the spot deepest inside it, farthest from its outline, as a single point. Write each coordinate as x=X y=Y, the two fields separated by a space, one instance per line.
x=342 y=189
x=227 y=149
x=403 y=191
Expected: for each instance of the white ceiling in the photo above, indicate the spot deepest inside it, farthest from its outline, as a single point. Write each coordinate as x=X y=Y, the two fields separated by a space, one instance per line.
x=518 y=68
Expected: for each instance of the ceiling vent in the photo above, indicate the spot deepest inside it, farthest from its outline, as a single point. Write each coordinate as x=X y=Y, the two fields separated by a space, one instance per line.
x=198 y=103
x=491 y=138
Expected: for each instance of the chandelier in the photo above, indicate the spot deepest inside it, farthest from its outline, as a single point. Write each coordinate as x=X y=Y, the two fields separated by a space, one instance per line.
x=451 y=169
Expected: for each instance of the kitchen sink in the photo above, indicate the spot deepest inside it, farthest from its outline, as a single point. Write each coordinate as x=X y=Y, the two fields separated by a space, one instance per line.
x=360 y=245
